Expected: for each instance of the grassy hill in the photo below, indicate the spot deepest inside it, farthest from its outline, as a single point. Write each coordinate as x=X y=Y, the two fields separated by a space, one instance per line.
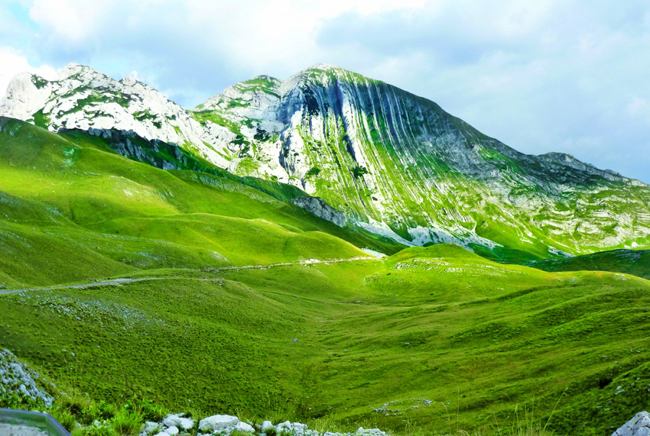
x=635 y=262
x=74 y=209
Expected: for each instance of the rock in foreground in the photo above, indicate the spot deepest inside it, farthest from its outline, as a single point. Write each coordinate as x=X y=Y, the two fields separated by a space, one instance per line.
x=637 y=426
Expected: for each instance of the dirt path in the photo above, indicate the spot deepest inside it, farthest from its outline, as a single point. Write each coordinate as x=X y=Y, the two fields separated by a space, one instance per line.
x=142 y=279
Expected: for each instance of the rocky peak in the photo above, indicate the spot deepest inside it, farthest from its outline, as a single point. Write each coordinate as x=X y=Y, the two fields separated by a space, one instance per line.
x=79 y=71
x=84 y=98
x=562 y=161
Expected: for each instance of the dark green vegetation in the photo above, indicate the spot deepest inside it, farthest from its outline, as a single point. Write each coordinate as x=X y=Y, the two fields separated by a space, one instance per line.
x=352 y=343
x=635 y=262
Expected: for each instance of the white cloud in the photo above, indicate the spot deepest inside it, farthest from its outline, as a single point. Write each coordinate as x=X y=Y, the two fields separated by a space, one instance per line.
x=13 y=62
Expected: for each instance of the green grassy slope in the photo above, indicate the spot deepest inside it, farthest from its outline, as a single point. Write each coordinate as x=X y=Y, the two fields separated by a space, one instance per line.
x=337 y=341
x=74 y=209
x=635 y=262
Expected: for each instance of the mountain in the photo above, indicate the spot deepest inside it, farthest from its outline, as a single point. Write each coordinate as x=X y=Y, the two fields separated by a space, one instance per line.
x=392 y=162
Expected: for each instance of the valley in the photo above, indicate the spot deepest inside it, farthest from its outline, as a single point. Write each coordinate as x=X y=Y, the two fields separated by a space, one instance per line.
x=357 y=342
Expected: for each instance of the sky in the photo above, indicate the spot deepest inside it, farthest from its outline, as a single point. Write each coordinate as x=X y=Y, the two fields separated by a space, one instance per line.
x=569 y=76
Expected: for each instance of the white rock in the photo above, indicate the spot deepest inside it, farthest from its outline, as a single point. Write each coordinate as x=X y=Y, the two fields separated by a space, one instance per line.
x=295 y=428
x=172 y=430
x=637 y=426
x=244 y=427
x=267 y=425
x=149 y=426
x=218 y=422
x=369 y=432
x=179 y=421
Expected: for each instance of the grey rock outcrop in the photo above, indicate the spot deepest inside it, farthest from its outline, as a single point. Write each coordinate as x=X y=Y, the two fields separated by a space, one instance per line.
x=18 y=379
x=637 y=426
x=320 y=208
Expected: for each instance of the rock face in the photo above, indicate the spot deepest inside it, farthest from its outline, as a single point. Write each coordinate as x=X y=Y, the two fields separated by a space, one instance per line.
x=85 y=99
x=637 y=426
x=389 y=161
x=318 y=207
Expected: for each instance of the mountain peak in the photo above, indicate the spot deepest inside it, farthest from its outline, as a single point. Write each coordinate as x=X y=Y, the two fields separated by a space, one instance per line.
x=73 y=68
x=323 y=67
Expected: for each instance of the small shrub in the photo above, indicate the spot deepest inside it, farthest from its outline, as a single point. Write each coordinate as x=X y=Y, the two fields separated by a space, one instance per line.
x=106 y=410
x=81 y=407
x=127 y=423
x=314 y=171
x=65 y=418
x=149 y=410
x=97 y=430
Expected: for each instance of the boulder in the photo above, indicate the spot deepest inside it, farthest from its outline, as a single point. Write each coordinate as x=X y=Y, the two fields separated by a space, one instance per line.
x=178 y=421
x=173 y=430
x=295 y=428
x=637 y=426
x=217 y=422
x=244 y=427
x=267 y=425
x=149 y=426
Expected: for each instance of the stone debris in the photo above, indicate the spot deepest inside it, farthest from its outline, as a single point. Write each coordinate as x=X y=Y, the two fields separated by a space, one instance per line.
x=224 y=425
x=17 y=378
x=637 y=426
x=397 y=407
x=244 y=427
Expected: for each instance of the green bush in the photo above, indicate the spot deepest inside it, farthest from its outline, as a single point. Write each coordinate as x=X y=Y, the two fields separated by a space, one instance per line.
x=97 y=430
x=65 y=418
x=149 y=410
x=106 y=410
x=127 y=423
x=80 y=407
